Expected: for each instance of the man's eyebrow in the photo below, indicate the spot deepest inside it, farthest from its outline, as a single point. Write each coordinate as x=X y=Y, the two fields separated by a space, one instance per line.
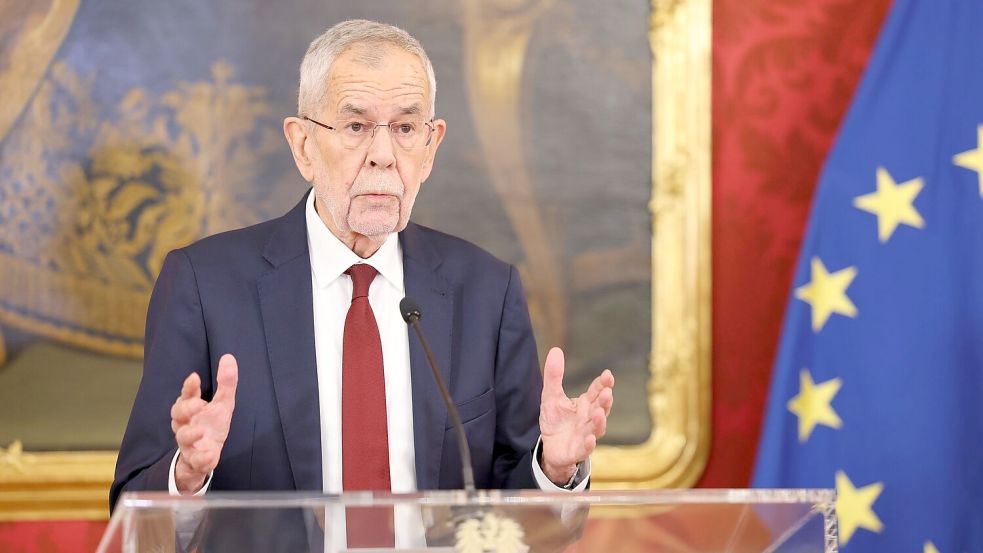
x=415 y=109
x=351 y=109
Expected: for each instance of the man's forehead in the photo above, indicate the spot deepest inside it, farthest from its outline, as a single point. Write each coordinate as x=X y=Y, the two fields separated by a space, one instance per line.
x=357 y=108
x=359 y=79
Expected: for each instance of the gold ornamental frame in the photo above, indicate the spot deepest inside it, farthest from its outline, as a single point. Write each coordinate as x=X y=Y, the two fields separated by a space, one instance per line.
x=675 y=454
x=74 y=485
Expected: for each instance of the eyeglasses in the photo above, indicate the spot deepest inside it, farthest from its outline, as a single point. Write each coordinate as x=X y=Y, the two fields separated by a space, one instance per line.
x=409 y=134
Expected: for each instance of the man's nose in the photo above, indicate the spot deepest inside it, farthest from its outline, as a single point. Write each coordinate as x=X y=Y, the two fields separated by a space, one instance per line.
x=381 y=152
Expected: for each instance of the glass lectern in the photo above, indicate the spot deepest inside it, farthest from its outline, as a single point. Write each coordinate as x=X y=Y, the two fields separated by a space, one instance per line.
x=697 y=521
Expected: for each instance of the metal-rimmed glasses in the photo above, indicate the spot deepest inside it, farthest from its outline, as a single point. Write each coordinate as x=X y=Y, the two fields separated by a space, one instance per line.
x=408 y=134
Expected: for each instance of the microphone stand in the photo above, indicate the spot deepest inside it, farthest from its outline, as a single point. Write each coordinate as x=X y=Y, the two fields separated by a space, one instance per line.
x=411 y=314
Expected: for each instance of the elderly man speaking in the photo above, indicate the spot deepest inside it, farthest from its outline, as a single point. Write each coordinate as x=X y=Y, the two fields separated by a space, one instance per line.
x=284 y=344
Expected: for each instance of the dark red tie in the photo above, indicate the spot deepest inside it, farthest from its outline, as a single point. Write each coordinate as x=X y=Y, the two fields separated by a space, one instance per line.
x=364 y=435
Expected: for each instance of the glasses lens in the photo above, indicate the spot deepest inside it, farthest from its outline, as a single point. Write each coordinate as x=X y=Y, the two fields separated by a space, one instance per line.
x=353 y=132
x=407 y=134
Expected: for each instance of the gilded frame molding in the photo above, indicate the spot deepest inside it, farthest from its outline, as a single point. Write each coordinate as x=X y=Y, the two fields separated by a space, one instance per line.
x=55 y=485
x=73 y=485
x=675 y=453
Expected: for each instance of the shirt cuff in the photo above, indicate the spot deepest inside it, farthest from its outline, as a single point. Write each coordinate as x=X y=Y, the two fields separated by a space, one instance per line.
x=172 y=481
x=577 y=483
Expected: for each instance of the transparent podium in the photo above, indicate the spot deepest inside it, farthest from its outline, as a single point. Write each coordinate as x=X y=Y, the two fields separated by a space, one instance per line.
x=732 y=521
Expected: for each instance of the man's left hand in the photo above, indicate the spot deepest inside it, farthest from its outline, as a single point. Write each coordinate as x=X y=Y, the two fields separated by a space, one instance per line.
x=571 y=426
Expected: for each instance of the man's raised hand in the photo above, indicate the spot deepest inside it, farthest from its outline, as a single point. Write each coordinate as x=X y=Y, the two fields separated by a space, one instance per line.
x=201 y=427
x=571 y=426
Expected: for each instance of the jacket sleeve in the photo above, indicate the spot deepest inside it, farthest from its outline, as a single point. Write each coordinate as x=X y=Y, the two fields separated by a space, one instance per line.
x=175 y=345
x=518 y=387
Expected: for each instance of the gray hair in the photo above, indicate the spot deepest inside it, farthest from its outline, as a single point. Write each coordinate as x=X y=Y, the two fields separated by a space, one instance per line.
x=322 y=52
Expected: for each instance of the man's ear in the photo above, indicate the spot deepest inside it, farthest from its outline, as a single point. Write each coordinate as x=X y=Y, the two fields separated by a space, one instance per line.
x=295 y=131
x=439 y=130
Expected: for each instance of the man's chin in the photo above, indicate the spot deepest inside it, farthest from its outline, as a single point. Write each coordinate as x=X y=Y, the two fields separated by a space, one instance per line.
x=376 y=230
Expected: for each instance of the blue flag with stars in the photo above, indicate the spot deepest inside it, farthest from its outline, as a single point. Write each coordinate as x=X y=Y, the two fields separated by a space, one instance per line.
x=878 y=382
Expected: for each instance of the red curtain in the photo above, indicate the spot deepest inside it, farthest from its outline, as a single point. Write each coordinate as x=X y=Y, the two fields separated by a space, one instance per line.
x=783 y=75
x=61 y=536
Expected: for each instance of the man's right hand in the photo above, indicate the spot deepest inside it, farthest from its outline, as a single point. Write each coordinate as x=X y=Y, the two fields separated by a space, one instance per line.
x=201 y=427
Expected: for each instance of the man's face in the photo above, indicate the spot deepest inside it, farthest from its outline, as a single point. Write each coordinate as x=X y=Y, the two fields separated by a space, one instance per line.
x=370 y=190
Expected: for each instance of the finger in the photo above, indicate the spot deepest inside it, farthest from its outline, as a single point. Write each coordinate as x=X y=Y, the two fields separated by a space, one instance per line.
x=184 y=409
x=599 y=422
x=188 y=436
x=190 y=390
x=205 y=460
x=191 y=387
x=176 y=425
x=553 y=374
x=590 y=442
x=593 y=418
x=605 y=400
x=608 y=378
x=228 y=380
x=602 y=382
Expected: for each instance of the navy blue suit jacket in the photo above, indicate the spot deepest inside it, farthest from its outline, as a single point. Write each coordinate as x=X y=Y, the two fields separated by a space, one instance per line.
x=248 y=292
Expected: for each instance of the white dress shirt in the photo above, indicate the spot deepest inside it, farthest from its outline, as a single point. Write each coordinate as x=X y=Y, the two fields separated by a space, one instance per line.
x=330 y=258
x=332 y=296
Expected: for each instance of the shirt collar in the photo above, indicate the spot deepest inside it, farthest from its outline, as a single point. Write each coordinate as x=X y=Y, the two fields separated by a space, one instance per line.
x=330 y=258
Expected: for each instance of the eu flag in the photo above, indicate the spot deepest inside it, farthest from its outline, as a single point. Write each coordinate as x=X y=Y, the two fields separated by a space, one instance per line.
x=878 y=382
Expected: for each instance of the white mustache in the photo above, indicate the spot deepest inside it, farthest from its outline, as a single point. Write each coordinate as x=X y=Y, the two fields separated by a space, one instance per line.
x=386 y=188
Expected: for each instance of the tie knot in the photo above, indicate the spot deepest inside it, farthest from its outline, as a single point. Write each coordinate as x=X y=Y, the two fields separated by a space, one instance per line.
x=362 y=276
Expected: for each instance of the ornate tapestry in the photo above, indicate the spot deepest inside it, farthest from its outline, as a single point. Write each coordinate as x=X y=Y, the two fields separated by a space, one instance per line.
x=129 y=128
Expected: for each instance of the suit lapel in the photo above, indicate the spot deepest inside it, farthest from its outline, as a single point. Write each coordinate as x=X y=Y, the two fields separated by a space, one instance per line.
x=285 y=298
x=435 y=296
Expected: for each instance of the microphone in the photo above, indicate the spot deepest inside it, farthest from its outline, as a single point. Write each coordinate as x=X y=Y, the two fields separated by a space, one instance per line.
x=410 y=310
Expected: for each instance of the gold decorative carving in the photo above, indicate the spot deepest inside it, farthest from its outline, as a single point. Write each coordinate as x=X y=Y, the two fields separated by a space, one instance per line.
x=13 y=457
x=49 y=486
x=679 y=390
x=94 y=201
x=87 y=228
x=31 y=32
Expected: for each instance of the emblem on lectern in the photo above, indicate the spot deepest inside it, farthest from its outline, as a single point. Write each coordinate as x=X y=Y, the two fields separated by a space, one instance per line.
x=489 y=533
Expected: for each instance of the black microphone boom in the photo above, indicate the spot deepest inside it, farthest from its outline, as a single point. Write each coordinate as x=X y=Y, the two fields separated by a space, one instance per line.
x=410 y=310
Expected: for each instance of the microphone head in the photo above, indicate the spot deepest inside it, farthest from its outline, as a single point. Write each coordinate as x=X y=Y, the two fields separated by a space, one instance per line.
x=410 y=310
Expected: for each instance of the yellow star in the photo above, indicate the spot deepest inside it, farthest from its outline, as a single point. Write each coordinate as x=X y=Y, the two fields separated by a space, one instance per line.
x=855 y=507
x=812 y=405
x=826 y=293
x=973 y=159
x=892 y=203
x=930 y=548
